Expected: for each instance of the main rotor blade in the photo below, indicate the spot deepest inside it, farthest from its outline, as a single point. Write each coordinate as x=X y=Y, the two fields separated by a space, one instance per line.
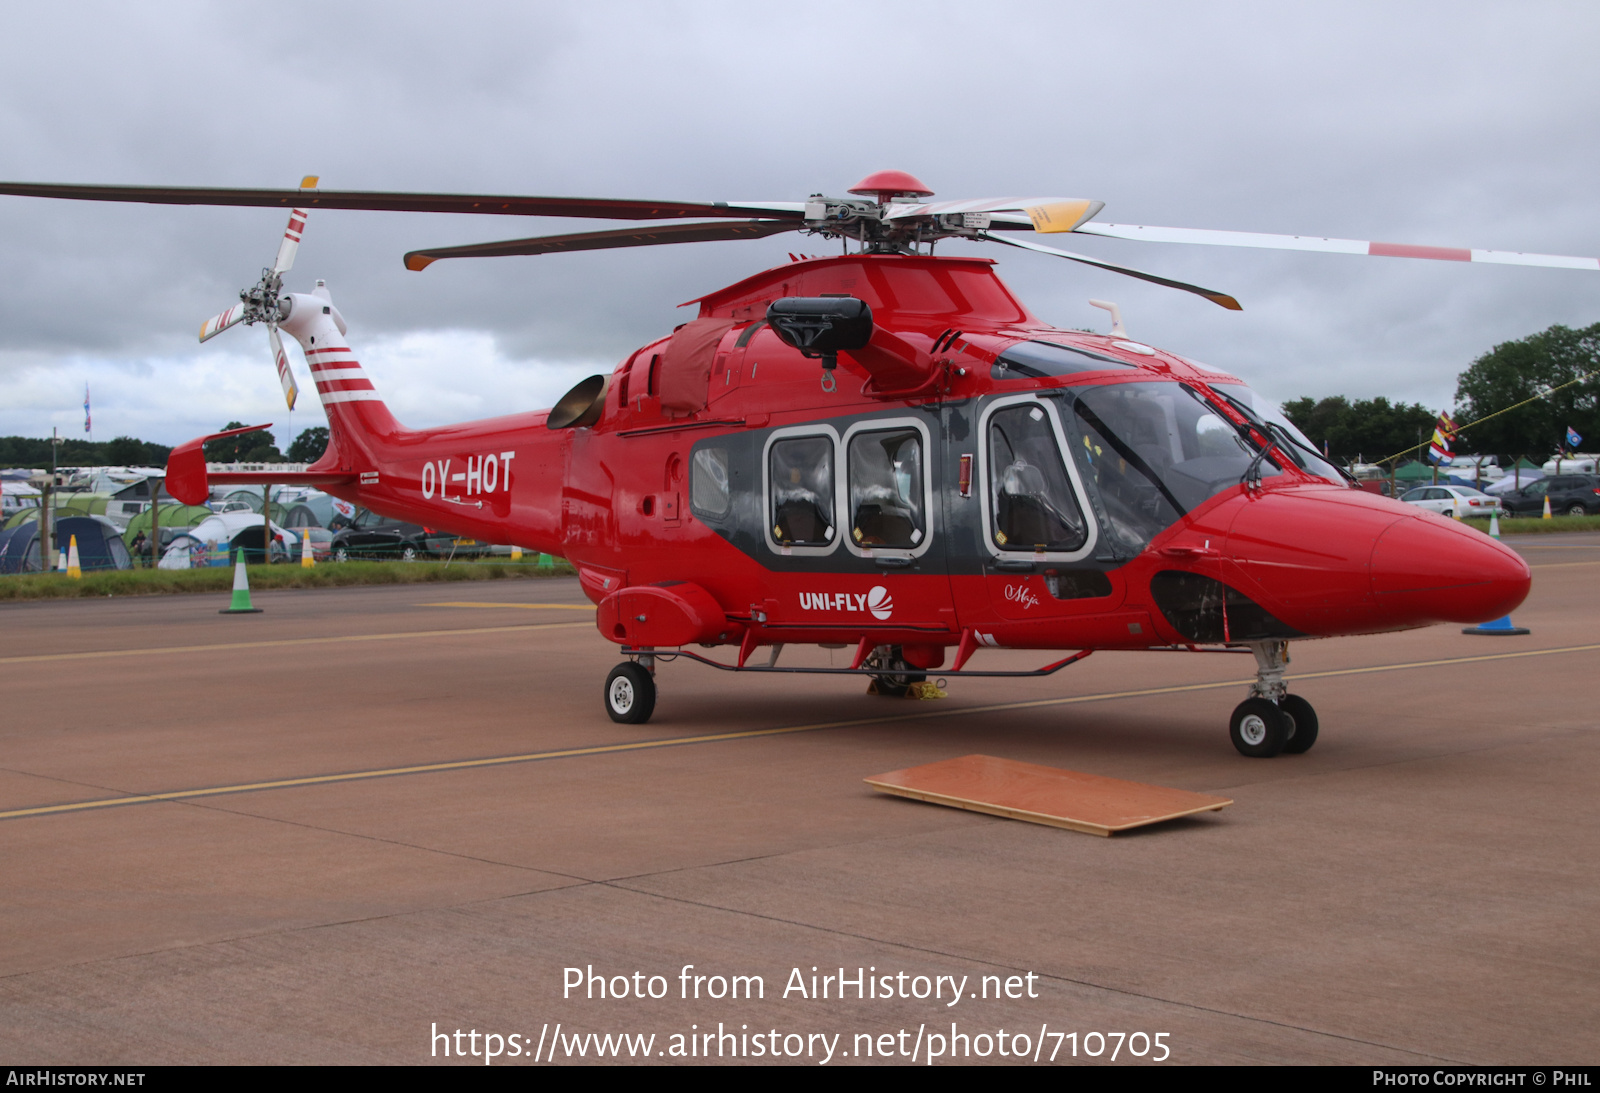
x=623 y=237
x=291 y=390
x=1221 y=299
x=1206 y=237
x=218 y=323
x=384 y=201
x=1043 y=214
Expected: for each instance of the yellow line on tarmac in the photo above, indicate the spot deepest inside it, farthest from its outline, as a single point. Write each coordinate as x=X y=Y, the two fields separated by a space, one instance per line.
x=224 y=646
x=919 y=714
x=522 y=606
x=1560 y=565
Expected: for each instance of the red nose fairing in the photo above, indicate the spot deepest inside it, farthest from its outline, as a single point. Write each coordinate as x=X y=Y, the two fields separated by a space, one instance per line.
x=1326 y=561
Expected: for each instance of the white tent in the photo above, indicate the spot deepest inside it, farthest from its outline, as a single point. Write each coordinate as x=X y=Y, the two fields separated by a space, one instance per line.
x=209 y=542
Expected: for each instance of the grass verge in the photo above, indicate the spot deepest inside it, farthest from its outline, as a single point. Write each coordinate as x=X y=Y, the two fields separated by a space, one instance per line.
x=219 y=579
x=1537 y=525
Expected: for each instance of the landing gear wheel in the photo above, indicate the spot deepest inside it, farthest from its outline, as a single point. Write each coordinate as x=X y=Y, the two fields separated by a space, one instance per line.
x=895 y=685
x=630 y=694
x=1258 y=728
x=1303 y=724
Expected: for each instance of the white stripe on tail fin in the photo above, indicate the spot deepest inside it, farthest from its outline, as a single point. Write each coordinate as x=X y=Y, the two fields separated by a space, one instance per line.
x=358 y=421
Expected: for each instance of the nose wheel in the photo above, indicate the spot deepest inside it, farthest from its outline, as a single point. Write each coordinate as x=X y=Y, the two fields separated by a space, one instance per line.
x=1272 y=721
x=630 y=694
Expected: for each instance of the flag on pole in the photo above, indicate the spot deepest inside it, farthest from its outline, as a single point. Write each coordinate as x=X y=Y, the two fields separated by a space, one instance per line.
x=1573 y=439
x=86 y=427
x=1444 y=434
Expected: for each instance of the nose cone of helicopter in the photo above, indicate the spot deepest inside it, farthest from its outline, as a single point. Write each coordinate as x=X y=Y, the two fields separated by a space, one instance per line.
x=1434 y=569
x=1325 y=560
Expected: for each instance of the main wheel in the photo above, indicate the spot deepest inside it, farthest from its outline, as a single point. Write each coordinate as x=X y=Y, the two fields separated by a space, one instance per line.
x=896 y=685
x=1302 y=724
x=1258 y=728
x=630 y=694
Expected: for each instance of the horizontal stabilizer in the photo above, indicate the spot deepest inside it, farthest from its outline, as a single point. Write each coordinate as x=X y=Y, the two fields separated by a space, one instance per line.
x=189 y=481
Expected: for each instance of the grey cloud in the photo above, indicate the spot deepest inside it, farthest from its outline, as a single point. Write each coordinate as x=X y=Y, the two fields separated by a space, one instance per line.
x=1422 y=123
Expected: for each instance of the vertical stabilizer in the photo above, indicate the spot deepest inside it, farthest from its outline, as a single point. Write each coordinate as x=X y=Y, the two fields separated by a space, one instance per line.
x=359 y=424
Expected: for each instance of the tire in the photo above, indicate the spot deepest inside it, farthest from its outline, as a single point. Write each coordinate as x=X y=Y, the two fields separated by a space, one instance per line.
x=1258 y=728
x=408 y=552
x=341 y=553
x=897 y=684
x=1577 y=509
x=1303 y=718
x=630 y=694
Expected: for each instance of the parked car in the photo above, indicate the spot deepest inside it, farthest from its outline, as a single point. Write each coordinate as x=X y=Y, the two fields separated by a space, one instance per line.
x=1569 y=494
x=321 y=543
x=1457 y=501
x=372 y=536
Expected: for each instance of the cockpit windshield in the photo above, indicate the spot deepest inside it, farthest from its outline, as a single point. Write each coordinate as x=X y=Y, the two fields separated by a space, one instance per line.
x=1291 y=441
x=1154 y=451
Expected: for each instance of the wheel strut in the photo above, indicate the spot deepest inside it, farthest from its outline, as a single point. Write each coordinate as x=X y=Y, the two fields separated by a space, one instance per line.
x=1272 y=720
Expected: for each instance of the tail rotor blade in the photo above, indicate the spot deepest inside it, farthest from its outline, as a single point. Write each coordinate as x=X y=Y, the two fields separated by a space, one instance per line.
x=291 y=234
x=285 y=374
x=218 y=323
x=291 y=241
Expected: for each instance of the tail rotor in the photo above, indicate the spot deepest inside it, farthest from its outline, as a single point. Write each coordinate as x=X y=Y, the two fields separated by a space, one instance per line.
x=265 y=303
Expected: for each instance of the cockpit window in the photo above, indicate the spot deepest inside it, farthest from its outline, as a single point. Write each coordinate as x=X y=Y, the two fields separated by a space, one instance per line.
x=1136 y=501
x=801 y=476
x=1037 y=360
x=1034 y=506
x=886 y=489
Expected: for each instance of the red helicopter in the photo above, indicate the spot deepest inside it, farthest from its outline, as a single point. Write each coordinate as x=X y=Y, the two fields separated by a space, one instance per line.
x=887 y=451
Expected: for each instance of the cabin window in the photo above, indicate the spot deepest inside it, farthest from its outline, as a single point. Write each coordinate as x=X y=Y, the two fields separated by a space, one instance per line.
x=708 y=482
x=1034 y=507
x=887 y=489
x=800 y=472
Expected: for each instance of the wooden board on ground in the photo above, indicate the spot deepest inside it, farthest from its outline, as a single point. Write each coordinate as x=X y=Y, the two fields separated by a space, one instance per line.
x=1044 y=795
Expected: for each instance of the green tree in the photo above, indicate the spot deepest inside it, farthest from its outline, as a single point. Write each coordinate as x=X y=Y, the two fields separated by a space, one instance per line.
x=227 y=449
x=125 y=451
x=309 y=445
x=1514 y=371
x=1368 y=429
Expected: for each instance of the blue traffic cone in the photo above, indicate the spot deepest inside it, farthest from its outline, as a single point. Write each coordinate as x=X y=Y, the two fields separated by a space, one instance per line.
x=1499 y=628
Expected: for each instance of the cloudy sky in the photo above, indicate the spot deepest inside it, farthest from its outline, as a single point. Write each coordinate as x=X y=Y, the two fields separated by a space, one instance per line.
x=1450 y=124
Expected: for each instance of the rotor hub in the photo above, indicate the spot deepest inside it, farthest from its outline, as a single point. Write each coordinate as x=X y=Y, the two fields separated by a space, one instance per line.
x=887 y=185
